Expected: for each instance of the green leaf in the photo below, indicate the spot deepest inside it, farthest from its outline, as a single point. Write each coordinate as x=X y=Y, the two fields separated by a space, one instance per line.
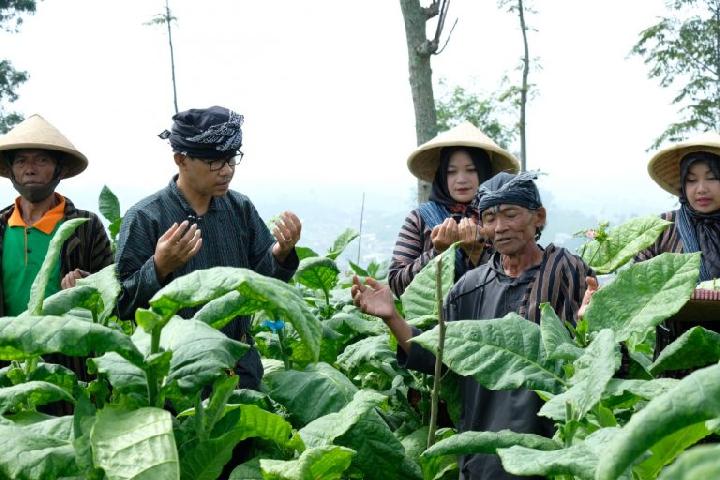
x=149 y=320
x=667 y=449
x=644 y=295
x=126 y=378
x=24 y=337
x=501 y=354
x=593 y=371
x=419 y=297
x=698 y=462
x=41 y=424
x=580 y=460
x=205 y=459
x=248 y=470
x=694 y=399
x=623 y=243
x=28 y=455
x=468 y=443
x=30 y=395
x=317 y=273
x=58 y=375
x=358 y=270
x=107 y=284
x=696 y=347
x=310 y=394
x=219 y=312
x=305 y=252
x=65 y=300
x=37 y=290
x=326 y=463
x=109 y=205
x=135 y=445
x=369 y=354
x=647 y=389
x=341 y=242
x=278 y=299
x=557 y=343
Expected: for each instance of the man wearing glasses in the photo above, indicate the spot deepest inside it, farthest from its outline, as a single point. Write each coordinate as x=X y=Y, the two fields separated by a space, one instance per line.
x=197 y=222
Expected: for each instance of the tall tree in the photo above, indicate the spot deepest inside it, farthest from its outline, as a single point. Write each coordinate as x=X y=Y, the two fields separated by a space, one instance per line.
x=521 y=9
x=166 y=18
x=420 y=50
x=11 y=12
x=683 y=51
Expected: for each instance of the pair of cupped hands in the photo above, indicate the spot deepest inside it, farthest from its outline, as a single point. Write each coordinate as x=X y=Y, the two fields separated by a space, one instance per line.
x=467 y=231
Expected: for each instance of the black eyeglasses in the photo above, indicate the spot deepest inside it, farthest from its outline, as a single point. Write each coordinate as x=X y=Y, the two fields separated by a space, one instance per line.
x=218 y=164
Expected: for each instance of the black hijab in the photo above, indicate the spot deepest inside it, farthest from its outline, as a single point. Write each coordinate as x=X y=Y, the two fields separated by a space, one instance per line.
x=440 y=193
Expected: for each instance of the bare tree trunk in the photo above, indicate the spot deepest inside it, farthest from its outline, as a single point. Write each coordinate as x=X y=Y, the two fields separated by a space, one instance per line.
x=420 y=49
x=524 y=89
x=168 y=21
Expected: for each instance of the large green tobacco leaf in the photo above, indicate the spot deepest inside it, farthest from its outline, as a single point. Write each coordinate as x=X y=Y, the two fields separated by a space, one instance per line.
x=219 y=312
x=30 y=395
x=341 y=242
x=26 y=454
x=355 y=324
x=579 y=460
x=468 y=443
x=695 y=348
x=52 y=257
x=124 y=377
x=557 y=343
x=317 y=273
x=200 y=354
x=23 y=337
x=501 y=354
x=278 y=299
x=77 y=297
x=694 y=399
x=321 y=463
x=42 y=424
x=697 y=463
x=204 y=459
x=109 y=205
x=136 y=445
x=419 y=297
x=58 y=375
x=647 y=389
x=359 y=427
x=644 y=295
x=593 y=371
x=622 y=243
x=309 y=394
x=369 y=354
x=106 y=283
x=667 y=449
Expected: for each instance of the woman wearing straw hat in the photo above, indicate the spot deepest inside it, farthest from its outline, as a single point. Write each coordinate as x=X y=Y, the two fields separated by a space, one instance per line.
x=456 y=162
x=691 y=170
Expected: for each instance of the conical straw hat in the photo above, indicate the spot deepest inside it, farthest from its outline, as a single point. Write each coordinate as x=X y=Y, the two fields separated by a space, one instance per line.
x=664 y=166
x=425 y=160
x=36 y=133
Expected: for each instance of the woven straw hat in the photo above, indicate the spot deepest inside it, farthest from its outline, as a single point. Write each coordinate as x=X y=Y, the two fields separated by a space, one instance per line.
x=36 y=133
x=664 y=166
x=425 y=160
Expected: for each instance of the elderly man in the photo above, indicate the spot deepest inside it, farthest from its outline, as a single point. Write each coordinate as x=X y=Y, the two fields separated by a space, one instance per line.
x=519 y=277
x=35 y=156
x=160 y=238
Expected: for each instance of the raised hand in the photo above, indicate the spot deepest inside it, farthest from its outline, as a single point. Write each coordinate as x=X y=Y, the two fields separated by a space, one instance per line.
x=444 y=235
x=176 y=247
x=68 y=281
x=287 y=233
x=373 y=298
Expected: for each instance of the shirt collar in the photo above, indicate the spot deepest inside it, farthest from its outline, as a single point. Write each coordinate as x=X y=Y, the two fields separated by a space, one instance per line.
x=47 y=223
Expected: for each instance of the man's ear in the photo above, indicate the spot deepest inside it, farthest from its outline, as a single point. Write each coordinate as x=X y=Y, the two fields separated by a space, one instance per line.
x=179 y=159
x=541 y=216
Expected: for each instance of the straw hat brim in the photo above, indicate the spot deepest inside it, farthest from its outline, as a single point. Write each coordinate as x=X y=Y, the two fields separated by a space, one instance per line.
x=35 y=133
x=425 y=160
x=664 y=166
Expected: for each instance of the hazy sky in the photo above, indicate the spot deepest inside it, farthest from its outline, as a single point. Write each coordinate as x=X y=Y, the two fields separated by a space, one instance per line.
x=323 y=87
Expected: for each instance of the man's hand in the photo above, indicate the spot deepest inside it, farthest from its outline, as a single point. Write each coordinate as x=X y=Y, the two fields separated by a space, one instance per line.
x=287 y=233
x=592 y=287
x=471 y=240
x=176 y=247
x=68 y=281
x=373 y=298
x=444 y=235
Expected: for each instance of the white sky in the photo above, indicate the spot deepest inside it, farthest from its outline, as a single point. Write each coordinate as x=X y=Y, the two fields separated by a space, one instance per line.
x=323 y=87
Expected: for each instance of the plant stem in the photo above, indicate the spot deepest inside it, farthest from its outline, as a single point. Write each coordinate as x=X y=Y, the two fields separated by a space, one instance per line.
x=152 y=378
x=286 y=360
x=435 y=397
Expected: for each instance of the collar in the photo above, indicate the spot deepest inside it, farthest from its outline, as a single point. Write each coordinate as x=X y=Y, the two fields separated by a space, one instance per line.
x=47 y=223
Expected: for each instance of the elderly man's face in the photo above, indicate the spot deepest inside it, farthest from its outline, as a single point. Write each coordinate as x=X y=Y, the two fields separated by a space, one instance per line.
x=513 y=227
x=33 y=167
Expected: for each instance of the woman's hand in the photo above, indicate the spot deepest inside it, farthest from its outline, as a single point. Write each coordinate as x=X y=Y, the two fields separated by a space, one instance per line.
x=373 y=298
x=592 y=287
x=444 y=235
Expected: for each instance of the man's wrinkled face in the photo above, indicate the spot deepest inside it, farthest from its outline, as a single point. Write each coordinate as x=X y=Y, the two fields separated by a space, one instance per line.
x=33 y=167
x=513 y=227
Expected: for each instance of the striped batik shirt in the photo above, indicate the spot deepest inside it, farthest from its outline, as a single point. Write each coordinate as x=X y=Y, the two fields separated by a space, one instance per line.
x=668 y=242
x=233 y=235
x=413 y=250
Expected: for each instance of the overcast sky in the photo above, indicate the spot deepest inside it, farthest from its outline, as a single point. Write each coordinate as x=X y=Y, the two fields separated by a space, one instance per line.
x=323 y=87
